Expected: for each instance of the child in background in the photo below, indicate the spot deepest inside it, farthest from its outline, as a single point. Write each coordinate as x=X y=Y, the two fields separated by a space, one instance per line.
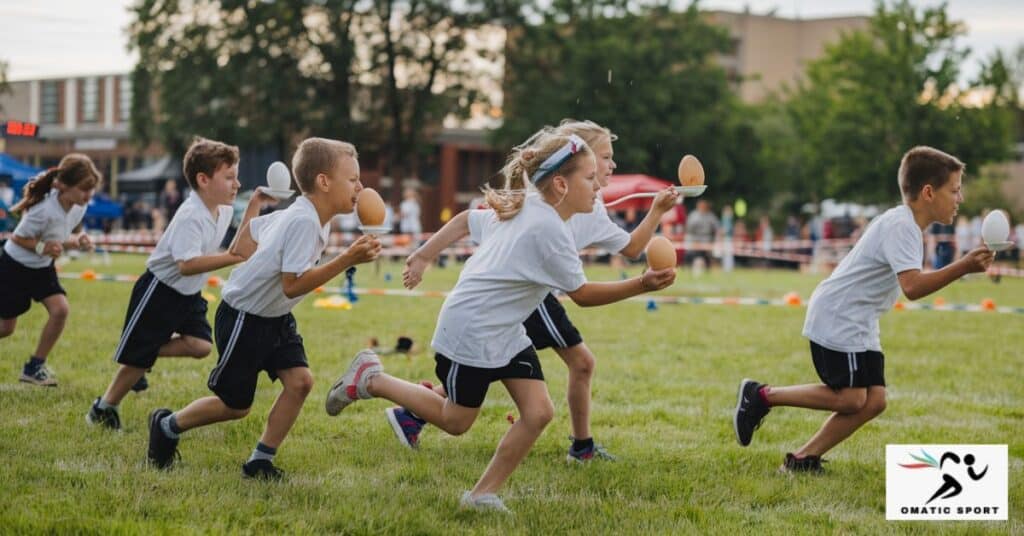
x=53 y=206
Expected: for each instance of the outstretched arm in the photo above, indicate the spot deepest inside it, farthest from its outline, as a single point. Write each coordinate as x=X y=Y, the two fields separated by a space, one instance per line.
x=456 y=229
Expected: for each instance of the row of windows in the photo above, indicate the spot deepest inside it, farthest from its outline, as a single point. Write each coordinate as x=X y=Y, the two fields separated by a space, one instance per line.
x=91 y=100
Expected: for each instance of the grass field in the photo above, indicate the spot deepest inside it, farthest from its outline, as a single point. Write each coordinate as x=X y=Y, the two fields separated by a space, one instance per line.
x=663 y=399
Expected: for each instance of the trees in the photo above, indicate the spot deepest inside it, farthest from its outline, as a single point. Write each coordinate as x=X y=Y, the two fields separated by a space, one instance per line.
x=645 y=72
x=874 y=95
x=381 y=73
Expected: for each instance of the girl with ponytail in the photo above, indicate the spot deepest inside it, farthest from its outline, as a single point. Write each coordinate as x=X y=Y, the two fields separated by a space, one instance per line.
x=526 y=249
x=51 y=214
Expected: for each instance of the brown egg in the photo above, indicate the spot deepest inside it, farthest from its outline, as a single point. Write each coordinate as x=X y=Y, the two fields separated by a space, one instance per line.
x=661 y=253
x=691 y=173
x=370 y=207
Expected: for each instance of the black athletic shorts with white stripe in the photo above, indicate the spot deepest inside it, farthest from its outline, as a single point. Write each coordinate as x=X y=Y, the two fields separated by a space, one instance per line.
x=848 y=369
x=248 y=344
x=155 y=313
x=549 y=326
x=467 y=386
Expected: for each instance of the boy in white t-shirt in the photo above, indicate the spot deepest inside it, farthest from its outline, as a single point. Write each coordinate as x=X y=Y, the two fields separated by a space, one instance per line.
x=53 y=206
x=549 y=325
x=254 y=327
x=480 y=338
x=166 y=314
x=842 y=316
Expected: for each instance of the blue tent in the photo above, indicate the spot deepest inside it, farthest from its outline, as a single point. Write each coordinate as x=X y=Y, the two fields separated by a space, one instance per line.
x=100 y=207
x=20 y=173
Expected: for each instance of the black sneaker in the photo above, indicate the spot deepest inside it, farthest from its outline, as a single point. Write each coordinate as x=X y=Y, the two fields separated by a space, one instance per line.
x=108 y=418
x=261 y=470
x=162 y=449
x=141 y=385
x=807 y=464
x=750 y=409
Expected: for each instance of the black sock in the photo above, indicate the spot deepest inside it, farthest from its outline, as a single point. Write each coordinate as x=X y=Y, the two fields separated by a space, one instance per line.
x=580 y=444
x=33 y=365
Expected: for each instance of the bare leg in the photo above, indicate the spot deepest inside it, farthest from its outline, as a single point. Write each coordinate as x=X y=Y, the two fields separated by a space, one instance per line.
x=818 y=396
x=185 y=346
x=580 y=361
x=425 y=403
x=7 y=326
x=535 y=412
x=124 y=379
x=207 y=410
x=298 y=382
x=839 y=426
x=58 y=309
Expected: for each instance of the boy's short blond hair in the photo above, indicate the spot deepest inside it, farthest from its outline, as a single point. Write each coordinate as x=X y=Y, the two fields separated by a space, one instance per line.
x=206 y=156
x=318 y=155
x=923 y=166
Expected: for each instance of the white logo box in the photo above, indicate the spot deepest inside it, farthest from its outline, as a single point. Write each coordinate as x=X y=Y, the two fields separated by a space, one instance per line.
x=946 y=482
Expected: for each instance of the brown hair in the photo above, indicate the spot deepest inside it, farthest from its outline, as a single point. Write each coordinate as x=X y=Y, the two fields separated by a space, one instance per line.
x=925 y=165
x=75 y=169
x=318 y=155
x=206 y=157
x=523 y=163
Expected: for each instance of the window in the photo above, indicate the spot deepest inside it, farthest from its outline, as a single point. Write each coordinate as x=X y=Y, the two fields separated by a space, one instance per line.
x=124 y=99
x=50 y=102
x=90 y=112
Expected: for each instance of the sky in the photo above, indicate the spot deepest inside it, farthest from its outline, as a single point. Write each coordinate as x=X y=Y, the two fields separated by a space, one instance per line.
x=56 y=38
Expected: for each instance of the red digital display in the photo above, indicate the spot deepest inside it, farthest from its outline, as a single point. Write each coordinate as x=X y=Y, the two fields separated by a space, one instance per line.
x=20 y=129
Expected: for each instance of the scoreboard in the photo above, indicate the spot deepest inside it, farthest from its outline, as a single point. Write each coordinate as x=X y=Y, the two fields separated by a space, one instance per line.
x=19 y=129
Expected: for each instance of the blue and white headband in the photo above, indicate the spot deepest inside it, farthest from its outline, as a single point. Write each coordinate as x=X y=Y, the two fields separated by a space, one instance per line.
x=561 y=156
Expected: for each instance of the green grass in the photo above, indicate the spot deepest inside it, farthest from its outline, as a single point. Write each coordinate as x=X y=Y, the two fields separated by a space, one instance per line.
x=663 y=398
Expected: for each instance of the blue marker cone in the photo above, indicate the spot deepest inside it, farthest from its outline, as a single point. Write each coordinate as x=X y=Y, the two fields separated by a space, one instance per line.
x=652 y=305
x=387 y=277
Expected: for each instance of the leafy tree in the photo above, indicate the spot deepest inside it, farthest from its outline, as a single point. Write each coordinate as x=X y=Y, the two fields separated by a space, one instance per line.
x=873 y=95
x=643 y=70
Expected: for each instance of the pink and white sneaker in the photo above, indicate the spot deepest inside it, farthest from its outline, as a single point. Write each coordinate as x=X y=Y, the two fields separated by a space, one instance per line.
x=352 y=385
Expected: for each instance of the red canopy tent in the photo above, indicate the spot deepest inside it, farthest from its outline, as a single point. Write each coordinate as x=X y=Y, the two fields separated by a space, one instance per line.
x=623 y=185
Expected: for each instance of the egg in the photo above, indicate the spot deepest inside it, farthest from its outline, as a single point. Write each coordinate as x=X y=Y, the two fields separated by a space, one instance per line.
x=278 y=177
x=996 y=228
x=691 y=173
x=661 y=253
x=370 y=207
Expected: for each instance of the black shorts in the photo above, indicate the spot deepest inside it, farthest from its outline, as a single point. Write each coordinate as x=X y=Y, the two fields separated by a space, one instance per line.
x=155 y=313
x=848 y=369
x=19 y=285
x=248 y=344
x=467 y=386
x=549 y=326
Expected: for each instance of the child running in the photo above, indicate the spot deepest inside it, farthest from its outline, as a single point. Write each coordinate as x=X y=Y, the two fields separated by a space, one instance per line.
x=549 y=325
x=526 y=250
x=254 y=327
x=167 y=313
x=53 y=206
x=842 y=316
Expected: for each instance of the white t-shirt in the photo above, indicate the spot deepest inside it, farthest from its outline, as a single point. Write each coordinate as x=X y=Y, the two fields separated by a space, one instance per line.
x=596 y=229
x=481 y=321
x=46 y=221
x=843 y=311
x=289 y=241
x=410 y=222
x=192 y=233
x=593 y=229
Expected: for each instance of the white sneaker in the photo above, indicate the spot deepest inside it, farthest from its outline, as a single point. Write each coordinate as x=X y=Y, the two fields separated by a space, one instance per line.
x=485 y=502
x=352 y=385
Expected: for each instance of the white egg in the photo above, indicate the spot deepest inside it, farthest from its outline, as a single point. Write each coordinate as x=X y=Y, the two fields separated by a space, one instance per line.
x=278 y=176
x=995 y=228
